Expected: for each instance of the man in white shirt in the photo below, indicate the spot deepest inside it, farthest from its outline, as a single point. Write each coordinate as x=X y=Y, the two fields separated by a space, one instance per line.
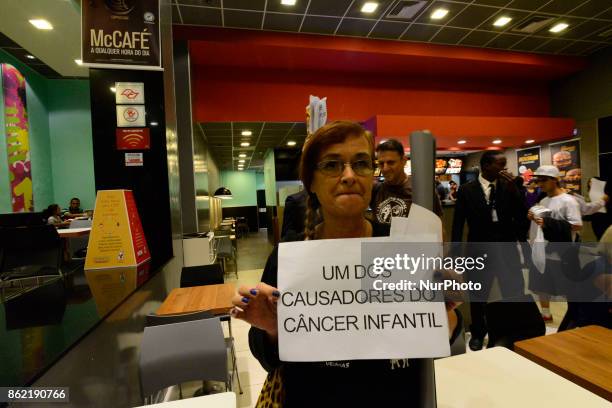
x=563 y=207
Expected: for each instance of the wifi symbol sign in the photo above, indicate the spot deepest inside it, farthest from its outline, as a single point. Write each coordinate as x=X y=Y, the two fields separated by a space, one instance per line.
x=133 y=139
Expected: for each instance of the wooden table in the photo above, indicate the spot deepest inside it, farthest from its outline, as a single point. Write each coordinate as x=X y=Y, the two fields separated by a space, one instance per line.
x=500 y=378
x=73 y=232
x=583 y=356
x=217 y=299
x=221 y=400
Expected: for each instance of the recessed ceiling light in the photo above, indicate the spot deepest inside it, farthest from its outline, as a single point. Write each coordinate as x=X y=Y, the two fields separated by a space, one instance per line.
x=439 y=14
x=558 y=27
x=288 y=2
x=529 y=141
x=30 y=56
x=78 y=61
x=240 y=168
x=246 y=133
x=242 y=155
x=502 y=21
x=245 y=144
x=241 y=161
x=153 y=123
x=41 y=24
x=497 y=141
x=369 y=7
x=291 y=143
x=113 y=89
x=461 y=142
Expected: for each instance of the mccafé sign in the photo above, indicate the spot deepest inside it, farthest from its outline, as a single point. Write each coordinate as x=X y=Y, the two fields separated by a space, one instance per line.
x=122 y=34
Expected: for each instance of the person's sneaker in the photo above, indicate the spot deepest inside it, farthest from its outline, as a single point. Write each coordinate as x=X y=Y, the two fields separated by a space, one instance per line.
x=547 y=318
x=475 y=344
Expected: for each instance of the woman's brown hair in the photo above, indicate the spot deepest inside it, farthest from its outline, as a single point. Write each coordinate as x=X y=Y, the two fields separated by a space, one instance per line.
x=331 y=133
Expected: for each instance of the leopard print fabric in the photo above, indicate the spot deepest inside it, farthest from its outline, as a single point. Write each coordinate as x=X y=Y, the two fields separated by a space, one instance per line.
x=272 y=392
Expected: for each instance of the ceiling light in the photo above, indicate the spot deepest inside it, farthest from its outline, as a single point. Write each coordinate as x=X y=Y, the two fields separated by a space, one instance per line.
x=242 y=155
x=153 y=123
x=41 y=24
x=246 y=133
x=113 y=89
x=369 y=7
x=529 y=141
x=78 y=61
x=502 y=21
x=30 y=56
x=241 y=161
x=291 y=143
x=240 y=168
x=497 y=141
x=558 y=27
x=245 y=144
x=288 y=2
x=439 y=14
x=461 y=142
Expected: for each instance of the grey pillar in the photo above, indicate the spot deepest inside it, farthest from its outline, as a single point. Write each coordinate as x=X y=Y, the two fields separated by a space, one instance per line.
x=184 y=127
x=422 y=157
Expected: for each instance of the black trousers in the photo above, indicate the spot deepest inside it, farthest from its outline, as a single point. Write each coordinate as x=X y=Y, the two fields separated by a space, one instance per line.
x=503 y=263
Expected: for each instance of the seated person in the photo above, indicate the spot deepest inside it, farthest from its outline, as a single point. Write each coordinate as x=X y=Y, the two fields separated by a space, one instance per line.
x=74 y=210
x=53 y=215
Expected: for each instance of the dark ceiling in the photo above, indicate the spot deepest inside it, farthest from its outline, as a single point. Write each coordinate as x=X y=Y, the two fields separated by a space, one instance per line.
x=11 y=47
x=224 y=139
x=468 y=23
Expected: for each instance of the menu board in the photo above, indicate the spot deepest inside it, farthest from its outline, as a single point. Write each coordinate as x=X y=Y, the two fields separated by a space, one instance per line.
x=116 y=237
x=566 y=156
x=528 y=161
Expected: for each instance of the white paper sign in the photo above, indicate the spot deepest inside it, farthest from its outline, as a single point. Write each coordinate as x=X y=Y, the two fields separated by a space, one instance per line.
x=420 y=222
x=129 y=93
x=133 y=159
x=342 y=328
x=131 y=116
x=597 y=192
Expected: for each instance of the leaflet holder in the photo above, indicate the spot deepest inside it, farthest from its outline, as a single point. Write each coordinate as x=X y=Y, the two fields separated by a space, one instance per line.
x=422 y=155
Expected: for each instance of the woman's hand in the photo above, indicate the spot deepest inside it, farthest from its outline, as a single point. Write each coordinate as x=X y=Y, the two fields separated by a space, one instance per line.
x=530 y=215
x=257 y=306
x=539 y=221
x=452 y=316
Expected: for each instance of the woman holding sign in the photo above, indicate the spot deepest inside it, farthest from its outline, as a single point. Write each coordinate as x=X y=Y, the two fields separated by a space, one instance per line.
x=336 y=169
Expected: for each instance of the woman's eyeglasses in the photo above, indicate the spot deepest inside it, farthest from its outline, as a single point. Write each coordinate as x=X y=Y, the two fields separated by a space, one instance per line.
x=334 y=168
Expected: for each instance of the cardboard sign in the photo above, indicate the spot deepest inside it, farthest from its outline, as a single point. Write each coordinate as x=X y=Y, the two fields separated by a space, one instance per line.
x=133 y=139
x=131 y=116
x=116 y=237
x=326 y=313
x=129 y=93
x=121 y=34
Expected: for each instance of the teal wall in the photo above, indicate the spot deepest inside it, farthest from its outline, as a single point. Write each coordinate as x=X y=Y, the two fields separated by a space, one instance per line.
x=270 y=178
x=243 y=185
x=40 y=150
x=71 y=141
x=61 y=151
x=261 y=183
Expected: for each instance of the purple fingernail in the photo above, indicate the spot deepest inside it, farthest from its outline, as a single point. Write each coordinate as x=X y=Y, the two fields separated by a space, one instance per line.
x=253 y=291
x=245 y=300
x=276 y=293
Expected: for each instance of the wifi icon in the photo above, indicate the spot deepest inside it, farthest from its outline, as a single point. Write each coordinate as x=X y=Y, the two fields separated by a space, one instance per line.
x=133 y=139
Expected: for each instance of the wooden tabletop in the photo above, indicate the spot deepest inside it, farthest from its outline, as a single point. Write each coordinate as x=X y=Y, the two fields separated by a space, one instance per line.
x=583 y=356
x=73 y=232
x=499 y=378
x=217 y=299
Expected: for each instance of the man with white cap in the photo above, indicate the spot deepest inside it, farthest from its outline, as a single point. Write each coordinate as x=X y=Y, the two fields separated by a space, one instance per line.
x=564 y=208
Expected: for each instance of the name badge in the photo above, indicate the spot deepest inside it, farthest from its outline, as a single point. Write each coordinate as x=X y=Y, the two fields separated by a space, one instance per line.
x=494 y=215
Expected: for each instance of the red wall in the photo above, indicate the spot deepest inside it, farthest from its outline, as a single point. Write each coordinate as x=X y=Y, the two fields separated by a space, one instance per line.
x=277 y=95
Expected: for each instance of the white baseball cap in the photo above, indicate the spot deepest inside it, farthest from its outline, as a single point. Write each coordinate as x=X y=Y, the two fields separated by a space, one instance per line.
x=547 y=170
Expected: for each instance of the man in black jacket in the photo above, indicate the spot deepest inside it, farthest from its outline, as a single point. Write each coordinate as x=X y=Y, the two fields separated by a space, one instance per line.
x=294 y=213
x=494 y=211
